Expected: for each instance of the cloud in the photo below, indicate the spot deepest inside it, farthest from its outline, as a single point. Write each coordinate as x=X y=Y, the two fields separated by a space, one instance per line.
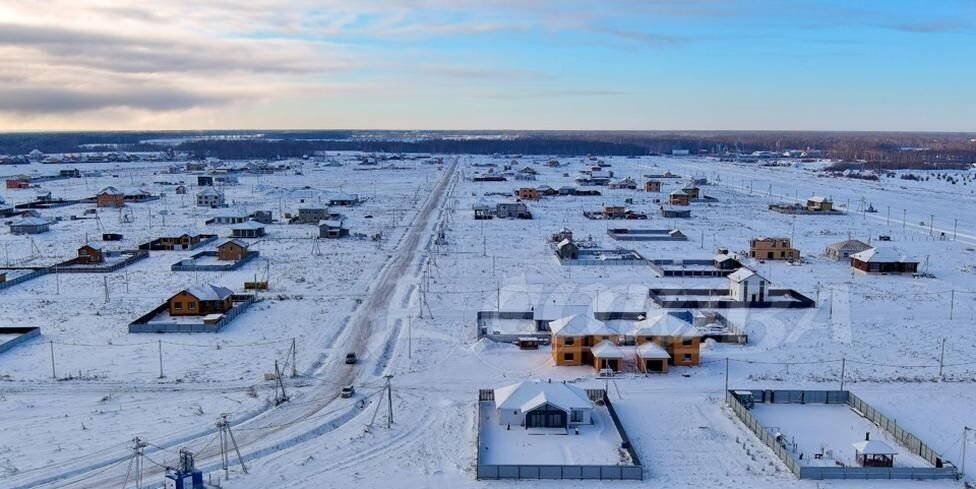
x=932 y=26
x=57 y=100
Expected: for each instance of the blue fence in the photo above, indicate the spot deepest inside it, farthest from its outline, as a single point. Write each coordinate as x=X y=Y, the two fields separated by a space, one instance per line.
x=143 y=325
x=24 y=334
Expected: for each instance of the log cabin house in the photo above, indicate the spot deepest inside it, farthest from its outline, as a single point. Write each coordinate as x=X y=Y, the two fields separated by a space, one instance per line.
x=200 y=300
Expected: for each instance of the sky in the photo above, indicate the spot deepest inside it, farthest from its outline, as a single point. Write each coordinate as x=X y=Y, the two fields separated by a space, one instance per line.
x=490 y=64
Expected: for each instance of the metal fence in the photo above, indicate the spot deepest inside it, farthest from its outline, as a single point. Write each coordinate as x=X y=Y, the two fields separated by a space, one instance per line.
x=24 y=334
x=73 y=265
x=941 y=469
x=634 y=471
x=189 y=266
x=142 y=325
x=23 y=278
x=719 y=299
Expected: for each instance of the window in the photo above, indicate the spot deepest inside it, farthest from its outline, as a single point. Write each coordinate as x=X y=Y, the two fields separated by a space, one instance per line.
x=686 y=342
x=576 y=416
x=686 y=358
x=178 y=305
x=191 y=305
x=569 y=341
x=569 y=357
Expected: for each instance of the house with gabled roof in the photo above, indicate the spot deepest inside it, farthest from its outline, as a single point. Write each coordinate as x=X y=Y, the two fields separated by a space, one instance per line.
x=110 y=197
x=745 y=285
x=542 y=405
x=200 y=300
x=842 y=250
x=883 y=260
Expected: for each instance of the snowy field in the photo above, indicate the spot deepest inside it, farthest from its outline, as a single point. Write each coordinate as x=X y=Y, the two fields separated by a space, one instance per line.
x=407 y=306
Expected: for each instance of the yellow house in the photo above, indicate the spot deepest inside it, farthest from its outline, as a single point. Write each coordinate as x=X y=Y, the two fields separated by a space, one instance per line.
x=654 y=343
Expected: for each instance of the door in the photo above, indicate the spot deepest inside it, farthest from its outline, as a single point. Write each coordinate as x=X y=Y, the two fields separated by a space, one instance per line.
x=545 y=417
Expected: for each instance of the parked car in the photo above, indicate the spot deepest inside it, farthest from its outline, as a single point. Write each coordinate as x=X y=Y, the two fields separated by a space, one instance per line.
x=351 y=358
x=347 y=392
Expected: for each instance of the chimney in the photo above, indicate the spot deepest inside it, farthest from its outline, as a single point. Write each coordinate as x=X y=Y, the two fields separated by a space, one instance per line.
x=867 y=436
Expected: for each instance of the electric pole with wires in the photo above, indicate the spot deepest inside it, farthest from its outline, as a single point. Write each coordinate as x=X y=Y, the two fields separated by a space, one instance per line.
x=226 y=437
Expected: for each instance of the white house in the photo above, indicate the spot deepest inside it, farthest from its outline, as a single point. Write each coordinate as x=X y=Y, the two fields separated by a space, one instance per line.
x=210 y=197
x=542 y=405
x=747 y=285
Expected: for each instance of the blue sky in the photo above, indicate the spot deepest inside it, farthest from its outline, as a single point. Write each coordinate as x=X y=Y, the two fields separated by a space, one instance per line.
x=493 y=64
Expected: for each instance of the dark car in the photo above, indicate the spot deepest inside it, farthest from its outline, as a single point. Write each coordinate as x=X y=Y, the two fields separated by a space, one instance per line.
x=351 y=358
x=347 y=392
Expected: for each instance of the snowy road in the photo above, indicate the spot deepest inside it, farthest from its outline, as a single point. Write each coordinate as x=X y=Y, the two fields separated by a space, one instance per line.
x=311 y=412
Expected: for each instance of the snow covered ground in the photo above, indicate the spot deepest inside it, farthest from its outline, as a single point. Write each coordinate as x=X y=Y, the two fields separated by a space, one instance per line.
x=886 y=332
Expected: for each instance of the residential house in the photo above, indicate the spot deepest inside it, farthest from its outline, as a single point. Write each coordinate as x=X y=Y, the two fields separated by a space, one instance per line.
x=764 y=248
x=20 y=182
x=652 y=186
x=675 y=213
x=210 y=197
x=205 y=181
x=232 y=250
x=344 y=200
x=332 y=229
x=614 y=211
x=527 y=193
x=679 y=197
x=691 y=190
x=483 y=211
x=725 y=261
x=139 y=195
x=745 y=285
x=89 y=254
x=843 y=250
x=180 y=240
x=249 y=229
x=30 y=225
x=181 y=190
x=110 y=197
x=624 y=183
x=229 y=217
x=263 y=217
x=819 y=204
x=876 y=260
x=567 y=250
x=312 y=215
x=680 y=341
x=200 y=300
x=542 y=405
x=545 y=190
x=512 y=210
x=579 y=339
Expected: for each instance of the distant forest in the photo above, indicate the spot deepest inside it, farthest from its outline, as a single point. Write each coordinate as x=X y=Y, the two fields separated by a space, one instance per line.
x=886 y=150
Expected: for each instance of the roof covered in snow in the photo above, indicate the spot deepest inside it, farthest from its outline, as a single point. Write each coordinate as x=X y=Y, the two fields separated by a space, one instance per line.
x=209 y=292
x=883 y=255
x=874 y=447
x=525 y=396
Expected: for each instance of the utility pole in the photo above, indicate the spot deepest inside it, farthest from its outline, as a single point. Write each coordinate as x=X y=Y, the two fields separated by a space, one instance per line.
x=280 y=396
x=965 y=440
x=226 y=435
x=138 y=450
x=409 y=336
x=294 y=358
x=904 y=219
x=942 y=358
x=726 y=374
x=54 y=372
x=389 y=401
x=843 y=365
x=931 y=223
x=160 y=343
x=952 y=302
x=955 y=227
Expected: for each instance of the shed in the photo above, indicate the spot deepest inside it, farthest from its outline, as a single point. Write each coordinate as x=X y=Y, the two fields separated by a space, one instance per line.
x=843 y=250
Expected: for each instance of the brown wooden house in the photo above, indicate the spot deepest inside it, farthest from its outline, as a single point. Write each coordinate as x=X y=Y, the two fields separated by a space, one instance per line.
x=232 y=250
x=200 y=300
x=527 y=193
x=110 y=197
x=652 y=186
x=679 y=198
x=773 y=249
x=882 y=261
x=89 y=254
